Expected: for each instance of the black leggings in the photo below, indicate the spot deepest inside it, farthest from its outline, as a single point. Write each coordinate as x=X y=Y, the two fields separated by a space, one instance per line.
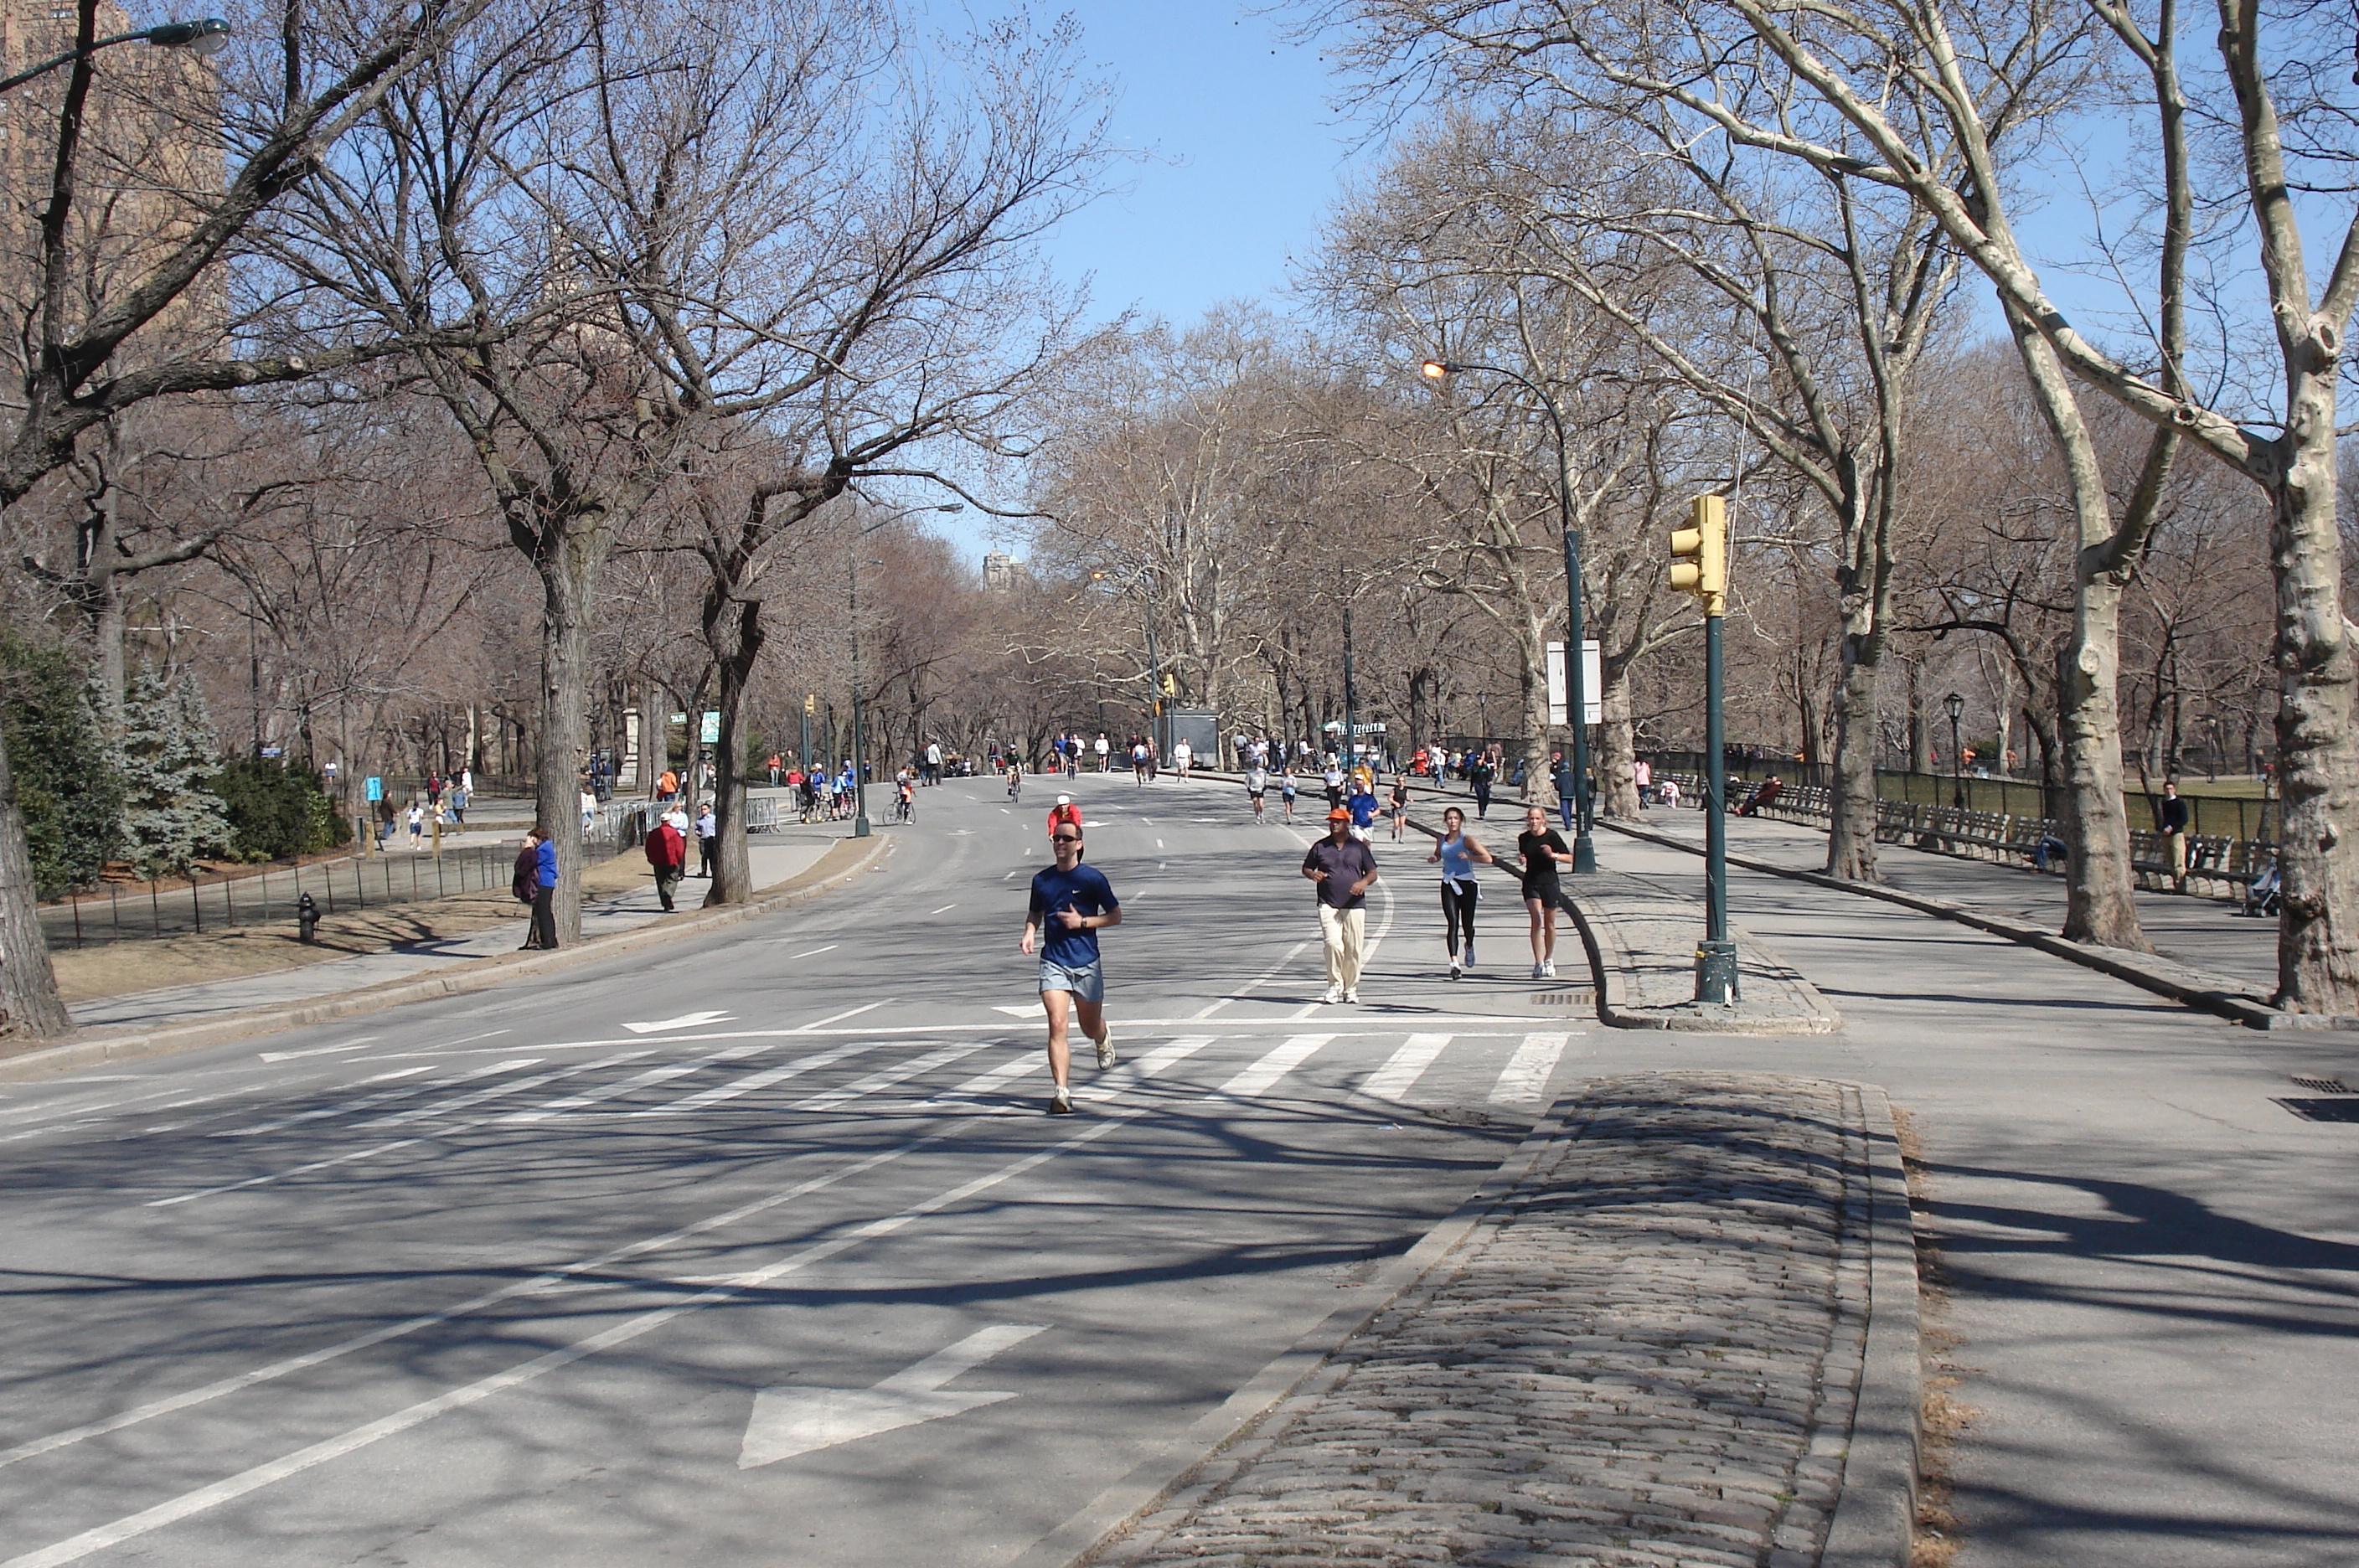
x=1458 y=915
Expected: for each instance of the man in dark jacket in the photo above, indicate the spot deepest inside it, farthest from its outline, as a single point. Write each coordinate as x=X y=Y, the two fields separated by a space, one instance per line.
x=544 y=892
x=526 y=881
x=2170 y=818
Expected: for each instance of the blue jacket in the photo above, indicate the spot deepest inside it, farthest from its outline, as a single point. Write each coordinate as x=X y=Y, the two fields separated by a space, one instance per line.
x=547 y=863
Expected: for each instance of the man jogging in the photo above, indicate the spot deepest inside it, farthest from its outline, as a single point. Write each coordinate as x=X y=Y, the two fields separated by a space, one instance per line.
x=1345 y=869
x=1071 y=903
x=1066 y=814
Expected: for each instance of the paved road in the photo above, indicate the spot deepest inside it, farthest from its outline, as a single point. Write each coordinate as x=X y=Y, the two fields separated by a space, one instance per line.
x=504 y=1280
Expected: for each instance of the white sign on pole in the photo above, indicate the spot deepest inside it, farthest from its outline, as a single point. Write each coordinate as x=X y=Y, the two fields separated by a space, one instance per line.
x=1592 y=682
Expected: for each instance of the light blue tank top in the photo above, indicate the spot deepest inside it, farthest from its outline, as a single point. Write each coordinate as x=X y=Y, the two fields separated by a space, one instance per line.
x=1456 y=864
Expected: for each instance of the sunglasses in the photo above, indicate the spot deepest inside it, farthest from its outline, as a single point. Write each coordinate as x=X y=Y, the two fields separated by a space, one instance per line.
x=1065 y=838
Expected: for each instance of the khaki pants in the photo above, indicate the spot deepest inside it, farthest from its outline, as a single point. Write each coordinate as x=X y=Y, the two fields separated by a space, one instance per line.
x=2178 y=842
x=1341 y=931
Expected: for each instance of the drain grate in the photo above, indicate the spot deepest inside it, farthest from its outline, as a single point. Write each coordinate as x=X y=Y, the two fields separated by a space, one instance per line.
x=1564 y=998
x=2323 y=1085
x=2336 y=1110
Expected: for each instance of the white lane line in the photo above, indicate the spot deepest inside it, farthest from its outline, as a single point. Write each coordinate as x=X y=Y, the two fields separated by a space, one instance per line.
x=1017 y=872
x=753 y=1081
x=1158 y=843
x=1130 y=1074
x=845 y=1093
x=1405 y=1066
x=317 y=1051
x=282 y=1175
x=1259 y=980
x=839 y=1018
x=537 y=1284
x=1258 y=1079
x=1525 y=1077
x=625 y=1085
x=517 y=1086
x=991 y=1083
x=813 y=951
x=944 y=909
x=189 y=1503
x=368 y=1102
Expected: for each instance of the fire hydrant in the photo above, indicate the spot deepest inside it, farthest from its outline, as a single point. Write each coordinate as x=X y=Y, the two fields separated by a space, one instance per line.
x=306 y=917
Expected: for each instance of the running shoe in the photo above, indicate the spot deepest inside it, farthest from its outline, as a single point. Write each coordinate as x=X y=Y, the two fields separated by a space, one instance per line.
x=1060 y=1104
x=1334 y=995
x=1548 y=971
x=1470 y=955
x=1353 y=998
x=1106 y=1057
x=1454 y=970
x=1539 y=971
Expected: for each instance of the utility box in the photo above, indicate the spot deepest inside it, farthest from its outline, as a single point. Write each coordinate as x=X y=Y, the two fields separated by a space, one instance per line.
x=1199 y=728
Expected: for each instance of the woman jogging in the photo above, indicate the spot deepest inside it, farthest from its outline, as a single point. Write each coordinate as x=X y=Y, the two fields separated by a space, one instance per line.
x=1286 y=790
x=1400 y=804
x=1543 y=850
x=1458 y=853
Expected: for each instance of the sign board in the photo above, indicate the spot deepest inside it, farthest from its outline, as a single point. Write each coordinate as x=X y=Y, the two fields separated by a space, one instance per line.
x=709 y=735
x=274 y=751
x=1368 y=729
x=374 y=787
x=1592 y=682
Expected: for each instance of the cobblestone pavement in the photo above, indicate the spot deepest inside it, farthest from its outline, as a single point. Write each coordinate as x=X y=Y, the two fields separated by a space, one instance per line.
x=1646 y=934
x=1648 y=1354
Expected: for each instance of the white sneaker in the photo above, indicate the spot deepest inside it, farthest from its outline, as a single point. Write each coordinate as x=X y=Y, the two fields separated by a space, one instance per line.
x=1454 y=970
x=1060 y=1104
x=1549 y=971
x=1334 y=995
x=1106 y=1057
x=1353 y=998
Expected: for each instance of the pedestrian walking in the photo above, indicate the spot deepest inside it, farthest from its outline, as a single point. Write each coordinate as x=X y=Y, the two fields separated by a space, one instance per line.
x=1256 y=786
x=667 y=858
x=708 y=843
x=1285 y=788
x=1344 y=869
x=1183 y=756
x=1104 y=751
x=1458 y=853
x=667 y=786
x=1544 y=853
x=523 y=881
x=1479 y=775
x=458 y=804
x=1071 y=903
x=2170 y=817
x=1641 y=777
x=1399 y=805
x=1334 y=780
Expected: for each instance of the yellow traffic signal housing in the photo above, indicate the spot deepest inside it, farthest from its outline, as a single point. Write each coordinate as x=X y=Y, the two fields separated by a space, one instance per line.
x=811 y=702
x=1700 y=554
x=1171 y=686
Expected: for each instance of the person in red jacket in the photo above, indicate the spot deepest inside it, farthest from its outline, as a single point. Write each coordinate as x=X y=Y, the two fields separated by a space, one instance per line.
x=667 y=855
x=1064 y=810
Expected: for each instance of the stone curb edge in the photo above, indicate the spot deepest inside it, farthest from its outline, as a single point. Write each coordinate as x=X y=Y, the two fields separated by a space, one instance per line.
x=2205 y=993
x=460 y=979
x=1153 y=1479
x=1875 y=1519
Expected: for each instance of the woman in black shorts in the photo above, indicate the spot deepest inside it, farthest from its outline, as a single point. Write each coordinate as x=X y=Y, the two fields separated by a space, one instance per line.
x=1543 y=850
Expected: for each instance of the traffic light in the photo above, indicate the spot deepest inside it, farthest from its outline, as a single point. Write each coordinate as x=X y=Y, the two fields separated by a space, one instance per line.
x=1171 y=686
x=811 y=703
x=1700 y=554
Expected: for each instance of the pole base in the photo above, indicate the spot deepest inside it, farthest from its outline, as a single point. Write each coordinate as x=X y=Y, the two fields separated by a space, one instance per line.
x=860 y=827
x=1584 y=855
x=1716 y=973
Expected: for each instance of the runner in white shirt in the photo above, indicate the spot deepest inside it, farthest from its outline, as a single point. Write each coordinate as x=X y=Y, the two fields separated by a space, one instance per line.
x=1182 y=755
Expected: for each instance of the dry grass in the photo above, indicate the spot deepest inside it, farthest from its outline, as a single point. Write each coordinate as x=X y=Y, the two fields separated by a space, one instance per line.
x=1944 y=1419
x=115 y=969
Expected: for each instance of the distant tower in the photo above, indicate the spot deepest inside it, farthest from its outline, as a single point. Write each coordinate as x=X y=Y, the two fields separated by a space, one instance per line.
x=1000 y=571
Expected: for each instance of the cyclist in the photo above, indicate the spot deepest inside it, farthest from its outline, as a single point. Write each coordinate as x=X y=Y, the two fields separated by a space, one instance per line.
x=1015 y=780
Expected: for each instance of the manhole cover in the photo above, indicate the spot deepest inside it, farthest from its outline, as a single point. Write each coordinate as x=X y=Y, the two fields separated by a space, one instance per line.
x=2323 y=1085
x=2335 y=1110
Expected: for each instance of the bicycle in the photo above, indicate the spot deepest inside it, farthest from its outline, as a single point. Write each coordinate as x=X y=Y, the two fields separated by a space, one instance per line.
x=1015 y=783
x=902 y=812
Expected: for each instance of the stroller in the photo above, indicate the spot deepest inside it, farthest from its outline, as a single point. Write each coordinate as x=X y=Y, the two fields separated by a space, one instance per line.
x=2261 y=894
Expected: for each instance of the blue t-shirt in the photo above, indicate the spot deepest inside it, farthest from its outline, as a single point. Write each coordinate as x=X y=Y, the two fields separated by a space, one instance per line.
x=1364 y=809
x=1085 y=890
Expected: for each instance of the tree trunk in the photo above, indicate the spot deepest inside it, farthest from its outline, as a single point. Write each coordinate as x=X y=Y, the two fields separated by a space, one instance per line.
x=1851 y=838
x=2318 y=756
x=2100 y=899
x=567 y=577
x=1617 y=748
x=733 y=878
x=1540 y=784
x=29 y=1005
x=1921 y=731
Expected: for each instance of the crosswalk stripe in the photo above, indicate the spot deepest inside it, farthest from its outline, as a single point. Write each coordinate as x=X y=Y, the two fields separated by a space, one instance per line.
x=625 y=1085
x=1256 y=1079
x=1525 y=1079
x=998 y=1078
x=1405 y=1065
x=462 y=1102
x=889 y=1076
x=753 y=1081
x=369 y=1102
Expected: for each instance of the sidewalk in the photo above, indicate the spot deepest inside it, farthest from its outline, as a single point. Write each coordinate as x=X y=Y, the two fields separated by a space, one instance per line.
x=777 y=857
x=1687 y=1335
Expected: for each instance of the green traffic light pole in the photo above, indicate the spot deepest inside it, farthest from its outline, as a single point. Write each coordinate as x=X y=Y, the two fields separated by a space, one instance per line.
x=1576 y=696
x=206 y=36
x=1716 y=980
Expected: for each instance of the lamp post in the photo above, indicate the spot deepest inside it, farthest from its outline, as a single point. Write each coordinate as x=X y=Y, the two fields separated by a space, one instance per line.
x=1956 y=707
x=208 y=35
x=1584 y=851
x=860 y=824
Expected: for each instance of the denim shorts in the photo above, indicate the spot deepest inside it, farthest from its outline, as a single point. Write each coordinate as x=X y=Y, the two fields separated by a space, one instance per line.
x=1087 y=983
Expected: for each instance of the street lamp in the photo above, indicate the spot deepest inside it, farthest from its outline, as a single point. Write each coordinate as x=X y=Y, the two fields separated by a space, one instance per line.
x=1584 y=853
x=1956 y=706
x=860 y=826
x=208 y=35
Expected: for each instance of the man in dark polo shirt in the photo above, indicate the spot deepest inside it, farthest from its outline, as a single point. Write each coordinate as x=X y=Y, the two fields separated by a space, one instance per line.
x=1345 y=869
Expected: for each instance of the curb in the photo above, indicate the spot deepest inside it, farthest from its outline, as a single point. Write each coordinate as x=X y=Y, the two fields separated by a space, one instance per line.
x=459 y=980
x=2206 y=993
x=1875 y=1519
x=1150 y=1482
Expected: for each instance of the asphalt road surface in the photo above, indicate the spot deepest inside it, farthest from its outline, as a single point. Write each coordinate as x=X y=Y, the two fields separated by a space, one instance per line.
x=761 y=1250
x=758 y=1250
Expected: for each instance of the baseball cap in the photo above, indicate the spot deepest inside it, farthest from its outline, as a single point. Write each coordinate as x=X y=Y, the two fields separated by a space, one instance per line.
x=1339 y=815
x=1064 y=799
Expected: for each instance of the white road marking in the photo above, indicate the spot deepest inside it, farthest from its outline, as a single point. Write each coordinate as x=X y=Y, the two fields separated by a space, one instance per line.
x=317 y=1051
x=839 y=1018
x=685 y=1021
x=753 y=1081
x=1017 y=872
x=846 y=1093
x=991 y=1083
x=791 y=1420
x=813 y=951
x=463 y=1102
x=1405 y=1066
x=625 y=1085
x=281 y=1175
x=1525 y=1077
x=369 y=1102
x=205 y=1498
x=1158 y=843
x=1258 y=1079
x=1031 y=1012
x=943 y=911
x=1261 y=979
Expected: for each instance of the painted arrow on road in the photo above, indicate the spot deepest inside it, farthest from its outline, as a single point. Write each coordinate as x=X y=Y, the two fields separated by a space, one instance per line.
x=685 y=1020
x=788 y=1421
